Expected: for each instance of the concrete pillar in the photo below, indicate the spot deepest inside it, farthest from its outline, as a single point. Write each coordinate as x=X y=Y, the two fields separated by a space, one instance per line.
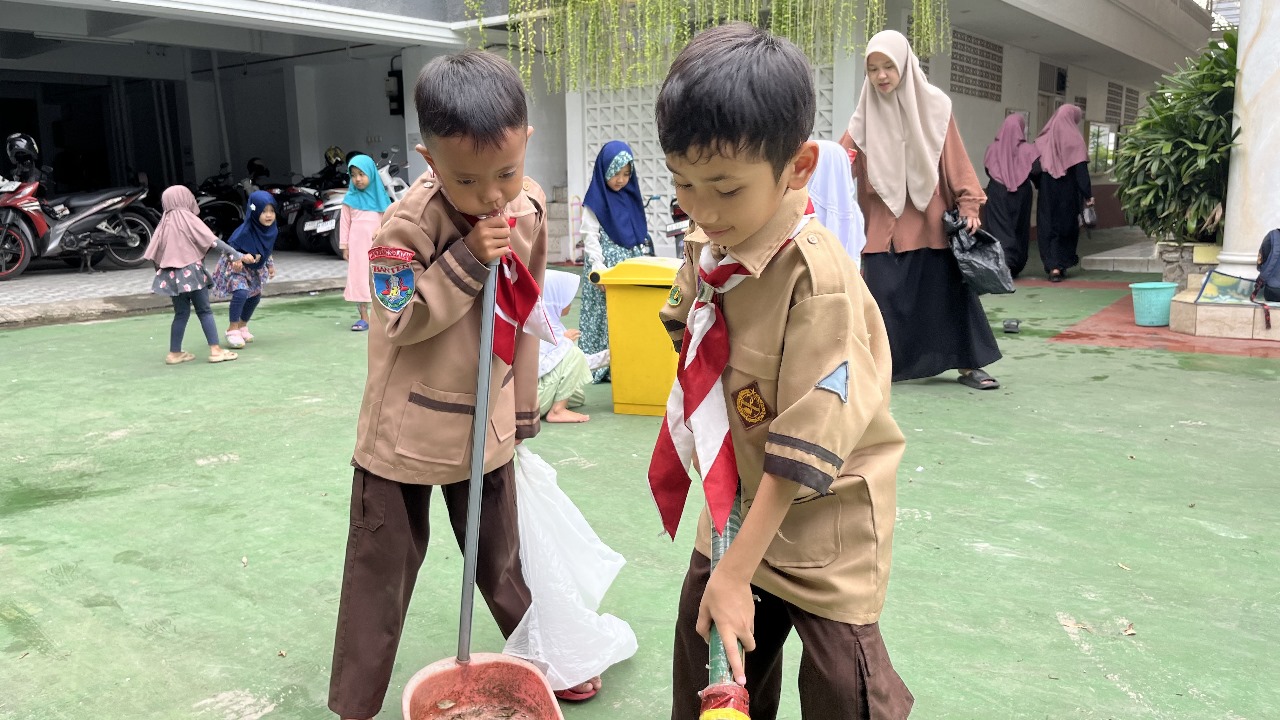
x=412 y=60
x=1251 y=207
x=301 y=116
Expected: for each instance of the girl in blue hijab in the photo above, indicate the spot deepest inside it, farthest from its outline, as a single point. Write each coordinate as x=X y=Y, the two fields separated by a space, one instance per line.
x=614 y=229
x=359 y=221
x=243 y=281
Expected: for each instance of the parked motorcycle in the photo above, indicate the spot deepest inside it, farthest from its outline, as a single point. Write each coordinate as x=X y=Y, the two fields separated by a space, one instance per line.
x=81 y=227
x=221 y=202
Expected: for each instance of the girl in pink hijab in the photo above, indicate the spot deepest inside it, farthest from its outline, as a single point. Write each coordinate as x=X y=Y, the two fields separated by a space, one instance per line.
x=177 y=250
x=1064 y=187
x=1011 y=163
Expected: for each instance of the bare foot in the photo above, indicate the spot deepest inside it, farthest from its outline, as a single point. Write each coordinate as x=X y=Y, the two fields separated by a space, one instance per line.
x=565 y=415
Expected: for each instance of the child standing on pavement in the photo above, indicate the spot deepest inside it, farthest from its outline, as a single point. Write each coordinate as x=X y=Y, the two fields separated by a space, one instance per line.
x=428 y=269
x=243 y=281
x=790 y=387
x=360 y=219
x=177 y=249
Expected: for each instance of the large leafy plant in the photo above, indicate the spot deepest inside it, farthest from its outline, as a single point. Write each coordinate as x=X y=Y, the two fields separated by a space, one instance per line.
x=610 y=44
x=1172 y=164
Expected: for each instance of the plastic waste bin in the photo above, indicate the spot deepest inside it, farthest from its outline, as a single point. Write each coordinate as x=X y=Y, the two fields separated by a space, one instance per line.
x=642 y=360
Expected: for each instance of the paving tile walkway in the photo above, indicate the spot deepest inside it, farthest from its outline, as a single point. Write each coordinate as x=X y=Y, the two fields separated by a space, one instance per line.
x=51 y=292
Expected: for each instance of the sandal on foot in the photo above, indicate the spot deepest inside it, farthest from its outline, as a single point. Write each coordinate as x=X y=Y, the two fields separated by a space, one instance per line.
x=978 y=380
x=1013 y=326
x=234 y=339
x=572 y=695
x=224 y=356
x=360 y=326
x=245 y=334
x=183 y=357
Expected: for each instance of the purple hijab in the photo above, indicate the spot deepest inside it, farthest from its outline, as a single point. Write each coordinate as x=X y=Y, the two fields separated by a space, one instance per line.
x=1010 y=157
x=1060 y=143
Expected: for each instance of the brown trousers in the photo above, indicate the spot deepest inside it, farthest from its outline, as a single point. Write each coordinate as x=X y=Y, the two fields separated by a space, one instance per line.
x=845 y=673
x=386 y=545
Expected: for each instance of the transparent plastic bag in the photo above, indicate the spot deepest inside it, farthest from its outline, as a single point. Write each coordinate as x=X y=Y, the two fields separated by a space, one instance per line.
x=568 y=570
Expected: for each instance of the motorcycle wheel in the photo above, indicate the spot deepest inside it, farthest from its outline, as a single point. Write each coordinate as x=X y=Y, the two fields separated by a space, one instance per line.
x=222 y=217
x=131 y=257
x=306 y=239
x=16 y=249
x=74 y=262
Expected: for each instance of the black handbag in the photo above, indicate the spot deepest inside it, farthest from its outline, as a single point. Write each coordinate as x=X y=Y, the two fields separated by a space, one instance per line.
x=980 y=256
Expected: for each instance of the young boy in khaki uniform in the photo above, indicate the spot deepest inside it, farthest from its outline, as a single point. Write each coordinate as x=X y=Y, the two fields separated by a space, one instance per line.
x=803 y=378
x=429 y=266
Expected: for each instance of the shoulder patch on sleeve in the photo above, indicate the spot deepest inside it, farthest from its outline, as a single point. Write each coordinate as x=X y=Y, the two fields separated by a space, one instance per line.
x=837 y=382
x=393 y=278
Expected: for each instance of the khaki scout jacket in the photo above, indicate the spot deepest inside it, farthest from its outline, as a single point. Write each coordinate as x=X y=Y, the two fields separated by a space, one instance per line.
x=420 y=396
x=807 y=390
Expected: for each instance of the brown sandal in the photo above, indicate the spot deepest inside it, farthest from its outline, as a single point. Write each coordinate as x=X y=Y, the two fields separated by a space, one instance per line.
x=224 y=356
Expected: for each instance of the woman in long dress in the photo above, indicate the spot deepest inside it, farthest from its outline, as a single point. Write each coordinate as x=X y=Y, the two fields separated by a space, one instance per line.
x=1011 y=163
x=614 y=229
x=911 y=167
x=1064 y=187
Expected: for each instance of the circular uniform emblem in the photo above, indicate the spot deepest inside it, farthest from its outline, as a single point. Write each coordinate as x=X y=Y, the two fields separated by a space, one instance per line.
x=675 y=297
x=751 y=406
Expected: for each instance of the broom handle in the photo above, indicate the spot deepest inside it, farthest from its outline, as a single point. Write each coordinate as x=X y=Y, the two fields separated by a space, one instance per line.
x=471 y=547
x=719 y=672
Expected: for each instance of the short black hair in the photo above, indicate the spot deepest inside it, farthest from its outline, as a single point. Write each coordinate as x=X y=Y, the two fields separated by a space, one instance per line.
x=473 y=94
x=739 y=88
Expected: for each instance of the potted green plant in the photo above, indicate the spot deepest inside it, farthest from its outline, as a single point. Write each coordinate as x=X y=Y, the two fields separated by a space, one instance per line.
x=1171 y=166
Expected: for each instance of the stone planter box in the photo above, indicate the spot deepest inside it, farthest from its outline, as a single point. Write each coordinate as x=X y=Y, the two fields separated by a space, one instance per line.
x=1180 y=261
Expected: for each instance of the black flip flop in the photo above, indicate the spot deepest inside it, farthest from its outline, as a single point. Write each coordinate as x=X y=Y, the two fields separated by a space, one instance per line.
x=979 y=380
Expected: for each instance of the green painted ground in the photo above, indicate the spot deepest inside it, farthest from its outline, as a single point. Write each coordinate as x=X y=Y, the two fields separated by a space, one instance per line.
x=1100 y=488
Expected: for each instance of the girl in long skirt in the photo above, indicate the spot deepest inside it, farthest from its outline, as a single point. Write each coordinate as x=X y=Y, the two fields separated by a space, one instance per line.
x=1064 y=187
x=361 y=217
x=614 y=226
x=911 y=167
x=1011 y=163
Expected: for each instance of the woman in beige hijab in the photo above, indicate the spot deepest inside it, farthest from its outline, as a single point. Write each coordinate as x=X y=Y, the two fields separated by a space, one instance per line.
x=911 y=167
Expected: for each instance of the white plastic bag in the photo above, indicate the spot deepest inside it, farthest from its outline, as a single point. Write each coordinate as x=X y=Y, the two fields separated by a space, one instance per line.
x=568 y=569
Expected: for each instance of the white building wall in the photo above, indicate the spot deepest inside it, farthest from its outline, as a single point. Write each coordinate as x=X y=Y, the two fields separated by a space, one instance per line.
x=352 y=111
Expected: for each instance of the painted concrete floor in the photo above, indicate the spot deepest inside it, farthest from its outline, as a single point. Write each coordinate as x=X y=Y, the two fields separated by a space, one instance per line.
x=1097 y=539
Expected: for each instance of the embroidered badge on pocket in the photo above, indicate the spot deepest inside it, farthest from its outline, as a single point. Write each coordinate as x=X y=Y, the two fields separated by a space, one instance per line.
x=751 y=406
x=393 y=278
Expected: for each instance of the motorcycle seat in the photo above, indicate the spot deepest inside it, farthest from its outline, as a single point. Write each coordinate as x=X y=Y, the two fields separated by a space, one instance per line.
x=76 y=201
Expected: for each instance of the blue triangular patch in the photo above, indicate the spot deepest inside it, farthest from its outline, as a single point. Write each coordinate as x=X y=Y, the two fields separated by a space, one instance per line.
x=837 y=382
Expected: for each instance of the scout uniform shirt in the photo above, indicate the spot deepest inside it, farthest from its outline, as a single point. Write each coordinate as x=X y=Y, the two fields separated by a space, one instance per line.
x=807 y=390
x=420 y=396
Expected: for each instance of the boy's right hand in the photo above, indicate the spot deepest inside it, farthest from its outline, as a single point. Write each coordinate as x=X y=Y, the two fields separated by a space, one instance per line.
x=489 y=239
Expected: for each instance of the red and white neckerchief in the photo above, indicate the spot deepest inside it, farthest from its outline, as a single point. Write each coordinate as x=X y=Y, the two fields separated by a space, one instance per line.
x=517 y=297
x=697 y=419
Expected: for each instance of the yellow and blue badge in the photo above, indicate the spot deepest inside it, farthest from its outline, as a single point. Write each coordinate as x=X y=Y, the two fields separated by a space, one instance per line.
x=393 y=278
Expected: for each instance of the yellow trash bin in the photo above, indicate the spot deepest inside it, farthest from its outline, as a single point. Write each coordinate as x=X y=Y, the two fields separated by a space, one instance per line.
x=641 y=357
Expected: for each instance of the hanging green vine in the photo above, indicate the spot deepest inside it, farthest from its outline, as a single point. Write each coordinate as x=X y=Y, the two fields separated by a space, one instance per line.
x=631 y=43
x=931 y=29
x=876 y=18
